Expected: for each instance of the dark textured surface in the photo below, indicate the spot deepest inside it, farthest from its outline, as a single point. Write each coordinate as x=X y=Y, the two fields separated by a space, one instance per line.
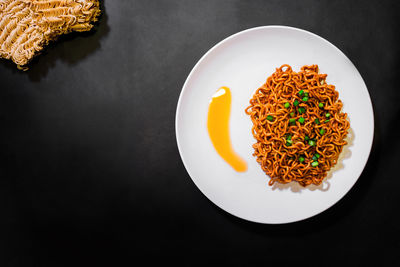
x=90 y=171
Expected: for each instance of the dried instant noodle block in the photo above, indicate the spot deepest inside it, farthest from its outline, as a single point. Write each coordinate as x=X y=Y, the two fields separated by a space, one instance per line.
x=27 y=26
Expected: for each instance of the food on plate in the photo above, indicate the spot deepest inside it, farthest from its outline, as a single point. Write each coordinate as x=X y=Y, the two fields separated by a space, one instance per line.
x=298 y=124
x=27 y=26
x=218 y=128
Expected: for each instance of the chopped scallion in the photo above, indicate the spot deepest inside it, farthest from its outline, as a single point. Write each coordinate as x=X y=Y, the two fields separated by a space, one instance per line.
x=315 y=157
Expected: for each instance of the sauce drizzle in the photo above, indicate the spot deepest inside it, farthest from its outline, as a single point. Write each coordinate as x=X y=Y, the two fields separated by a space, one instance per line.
x=218 y=128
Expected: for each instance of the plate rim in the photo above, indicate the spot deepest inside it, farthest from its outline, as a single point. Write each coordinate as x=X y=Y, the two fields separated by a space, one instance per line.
x=184 y=89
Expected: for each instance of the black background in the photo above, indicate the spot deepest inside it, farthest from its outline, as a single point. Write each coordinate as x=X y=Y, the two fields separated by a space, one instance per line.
x=90 y=172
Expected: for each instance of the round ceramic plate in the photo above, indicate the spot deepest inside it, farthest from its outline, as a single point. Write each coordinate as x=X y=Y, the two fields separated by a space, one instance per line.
x=242 y=62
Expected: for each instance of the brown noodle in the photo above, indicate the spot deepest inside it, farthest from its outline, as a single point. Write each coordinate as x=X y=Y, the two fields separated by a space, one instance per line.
x=287 y=150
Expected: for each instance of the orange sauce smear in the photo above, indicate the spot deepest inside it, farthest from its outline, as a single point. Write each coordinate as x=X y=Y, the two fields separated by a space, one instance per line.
x=218 y=128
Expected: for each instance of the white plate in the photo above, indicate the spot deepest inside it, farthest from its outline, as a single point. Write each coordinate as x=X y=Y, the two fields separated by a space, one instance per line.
x=242 y=62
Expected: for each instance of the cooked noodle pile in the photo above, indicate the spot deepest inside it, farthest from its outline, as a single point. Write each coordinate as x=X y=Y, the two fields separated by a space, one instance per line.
x=298 y=124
